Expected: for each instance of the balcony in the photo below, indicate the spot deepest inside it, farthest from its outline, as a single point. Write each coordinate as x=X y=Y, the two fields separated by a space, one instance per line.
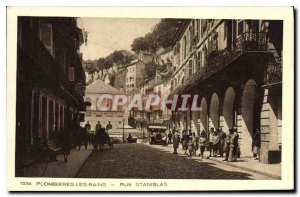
x=217 y=60
x=274 y=73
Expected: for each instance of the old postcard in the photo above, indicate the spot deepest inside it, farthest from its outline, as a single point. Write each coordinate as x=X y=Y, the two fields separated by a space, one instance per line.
x=150 y=99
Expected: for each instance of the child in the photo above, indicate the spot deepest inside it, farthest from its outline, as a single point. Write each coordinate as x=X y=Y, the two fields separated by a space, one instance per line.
x=191 y=147
x=202 y=143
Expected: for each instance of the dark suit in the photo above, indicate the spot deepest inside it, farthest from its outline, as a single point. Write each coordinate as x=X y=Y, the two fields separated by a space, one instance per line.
x=222 y=136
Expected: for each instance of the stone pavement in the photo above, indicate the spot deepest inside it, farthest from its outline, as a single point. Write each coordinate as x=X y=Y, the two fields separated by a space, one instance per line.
x=144 y=161
x=59 y=168
x=248 y=164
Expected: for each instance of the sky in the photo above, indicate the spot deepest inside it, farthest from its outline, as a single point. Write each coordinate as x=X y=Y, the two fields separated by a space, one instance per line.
x=106 y=35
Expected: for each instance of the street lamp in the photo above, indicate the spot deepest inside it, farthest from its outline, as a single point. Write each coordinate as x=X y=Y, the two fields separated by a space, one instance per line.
x=123 y=131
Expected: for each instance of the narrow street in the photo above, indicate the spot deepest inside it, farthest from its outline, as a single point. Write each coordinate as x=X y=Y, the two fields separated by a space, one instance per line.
x=152 y=162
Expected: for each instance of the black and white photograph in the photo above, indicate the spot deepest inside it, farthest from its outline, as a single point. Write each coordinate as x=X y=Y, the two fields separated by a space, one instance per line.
x=146 y=101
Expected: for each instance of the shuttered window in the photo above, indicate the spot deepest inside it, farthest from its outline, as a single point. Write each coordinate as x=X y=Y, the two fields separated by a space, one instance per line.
x=46 y=36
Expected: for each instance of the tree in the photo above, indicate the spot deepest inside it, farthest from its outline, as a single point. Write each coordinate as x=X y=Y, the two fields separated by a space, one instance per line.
x=122 y=57
x=139 y=44
x=162 y=35
x=150 y=70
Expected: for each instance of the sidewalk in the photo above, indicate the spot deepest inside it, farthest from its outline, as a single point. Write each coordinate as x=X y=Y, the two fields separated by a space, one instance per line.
x=248 y=164
x=271 y=170
x=59 y=168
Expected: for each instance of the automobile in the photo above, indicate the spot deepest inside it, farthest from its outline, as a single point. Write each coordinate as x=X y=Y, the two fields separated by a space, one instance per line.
x=157 y=134
x=117 y=134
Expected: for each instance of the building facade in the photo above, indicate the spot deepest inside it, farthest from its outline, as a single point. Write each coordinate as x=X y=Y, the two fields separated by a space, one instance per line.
x=235 y=66
x=93 y=114
x=50 y=82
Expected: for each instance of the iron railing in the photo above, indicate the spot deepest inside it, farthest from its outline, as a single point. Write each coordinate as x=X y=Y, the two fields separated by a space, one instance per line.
x=274 y=72
x=217 y=60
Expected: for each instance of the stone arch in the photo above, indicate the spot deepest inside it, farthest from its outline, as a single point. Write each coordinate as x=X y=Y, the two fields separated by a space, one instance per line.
x=228 y=109
x=247 y=117
x=214 y=111
x=203 y=115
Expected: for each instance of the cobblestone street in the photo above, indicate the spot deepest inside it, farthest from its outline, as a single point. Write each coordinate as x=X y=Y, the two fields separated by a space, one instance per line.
x=149 y=162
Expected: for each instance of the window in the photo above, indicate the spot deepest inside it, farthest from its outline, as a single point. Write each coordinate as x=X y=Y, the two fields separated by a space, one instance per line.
x=197 y=27
x=46 y=36
x=225 y=29
x=172 y=85
x=184 y=47
x=204 y=53
x=190 y=68
x=214 y=43
x=71 y=73
x=240 y=27
x=203 y=26
x=199 y=58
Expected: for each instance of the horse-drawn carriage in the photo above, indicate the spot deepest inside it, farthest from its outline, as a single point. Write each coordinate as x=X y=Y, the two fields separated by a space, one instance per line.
x=102 y=138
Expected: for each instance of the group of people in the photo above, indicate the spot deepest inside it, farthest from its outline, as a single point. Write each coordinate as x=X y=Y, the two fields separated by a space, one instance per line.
x=216 y=142
x=100 y=137
x=75 y=136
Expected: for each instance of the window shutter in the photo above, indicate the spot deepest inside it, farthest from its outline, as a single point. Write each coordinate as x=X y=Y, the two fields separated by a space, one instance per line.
x=46 y=36
x=71 y=74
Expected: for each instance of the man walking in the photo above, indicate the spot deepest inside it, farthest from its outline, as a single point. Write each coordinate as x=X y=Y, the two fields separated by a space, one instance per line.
x=87 y=126
x=176 y=141
x=210 y=141
x=169 y=137
x=97 y=135
x=256 y=144
x=233 y=146
x=227 y=144
x=222 y=137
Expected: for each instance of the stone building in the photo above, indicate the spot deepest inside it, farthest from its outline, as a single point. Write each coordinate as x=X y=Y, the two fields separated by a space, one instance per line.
x=235 y=66
x=93 y=114
x=50 y=82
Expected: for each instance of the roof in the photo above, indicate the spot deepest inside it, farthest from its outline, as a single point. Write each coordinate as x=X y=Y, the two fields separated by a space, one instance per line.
x=156 y=127
x=133 y=62
x=167 y=50
x=181 y=29
x=100 y=87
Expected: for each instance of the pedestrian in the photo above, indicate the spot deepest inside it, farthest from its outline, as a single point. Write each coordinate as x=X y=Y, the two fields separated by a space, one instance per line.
x=195 y=140
x=227 y=144
x=185 y=141
x=210 y=141
x=129 y=138
x=202 y=143
x=66 y=143
x=233 y=151
x=169 y=137
x=85 y=137
x=87 y=126
x=256 y=145
x=191 y=146
x=222 y=147
x=176 y=141
x=108 y=126
x=216 y=143
x=97 y=135
x=79 y=137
